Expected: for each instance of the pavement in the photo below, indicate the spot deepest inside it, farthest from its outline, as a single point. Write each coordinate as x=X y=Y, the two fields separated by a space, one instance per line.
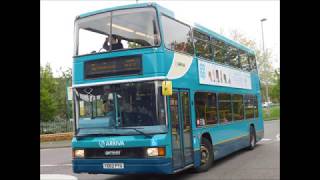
x=262 y=163
x=55 y=144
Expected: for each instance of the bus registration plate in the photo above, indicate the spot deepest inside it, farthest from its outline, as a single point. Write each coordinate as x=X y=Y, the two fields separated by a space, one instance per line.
x=113 y=165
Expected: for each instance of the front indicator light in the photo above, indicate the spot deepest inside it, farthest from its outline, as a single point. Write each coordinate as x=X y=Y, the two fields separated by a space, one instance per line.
x=156 y=152
x=161 y=151
x=79 y=153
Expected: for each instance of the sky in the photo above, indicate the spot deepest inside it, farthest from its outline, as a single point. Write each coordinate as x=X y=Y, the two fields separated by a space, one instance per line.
x=57 y=23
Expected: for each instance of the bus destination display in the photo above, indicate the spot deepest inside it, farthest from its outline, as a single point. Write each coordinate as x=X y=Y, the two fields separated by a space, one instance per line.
x=113 y=67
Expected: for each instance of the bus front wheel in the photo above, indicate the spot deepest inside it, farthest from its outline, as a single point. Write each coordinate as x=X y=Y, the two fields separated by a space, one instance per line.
x=206 y=154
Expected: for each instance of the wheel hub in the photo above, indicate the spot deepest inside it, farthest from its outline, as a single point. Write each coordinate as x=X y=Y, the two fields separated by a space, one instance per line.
x=252 y=141
x=204 y=155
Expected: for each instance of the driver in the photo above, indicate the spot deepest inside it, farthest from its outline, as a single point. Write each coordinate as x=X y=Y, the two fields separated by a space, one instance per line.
x=115 y=43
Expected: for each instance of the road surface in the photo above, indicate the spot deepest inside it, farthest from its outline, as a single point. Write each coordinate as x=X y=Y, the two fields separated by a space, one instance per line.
x=261 y=163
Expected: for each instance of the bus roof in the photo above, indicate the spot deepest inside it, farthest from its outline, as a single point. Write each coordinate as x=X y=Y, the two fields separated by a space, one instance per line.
x=171 y=14
x=160 y=8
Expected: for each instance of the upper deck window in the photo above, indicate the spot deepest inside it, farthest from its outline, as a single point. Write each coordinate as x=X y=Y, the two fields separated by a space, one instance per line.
x=244 y=61
x=177 y=35
x=252 y=61
x=220 y=50
x=116 y=30
x=232 y=57
x=202 y=45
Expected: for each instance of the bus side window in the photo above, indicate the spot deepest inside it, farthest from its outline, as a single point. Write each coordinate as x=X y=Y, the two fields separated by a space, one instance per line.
x=202 y=45
x=206 y=108
x=249 y=106
x=253 y=63
x=232 y=57
x=219 y=51
x=244 y=61
x=225 y=109
x=177 y=35
x=238 y=108
x=256 y=112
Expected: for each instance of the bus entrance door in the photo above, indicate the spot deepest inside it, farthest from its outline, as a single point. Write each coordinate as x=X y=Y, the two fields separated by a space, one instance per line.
x=181 y=129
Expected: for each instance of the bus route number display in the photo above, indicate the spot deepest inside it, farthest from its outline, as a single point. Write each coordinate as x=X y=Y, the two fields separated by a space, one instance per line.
x=113 y=67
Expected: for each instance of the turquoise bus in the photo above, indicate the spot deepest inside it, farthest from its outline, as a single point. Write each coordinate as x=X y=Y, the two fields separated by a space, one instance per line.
x=153 y=94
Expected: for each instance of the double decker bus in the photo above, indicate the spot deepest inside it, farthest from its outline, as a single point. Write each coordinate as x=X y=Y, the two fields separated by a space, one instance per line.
x=155 y=95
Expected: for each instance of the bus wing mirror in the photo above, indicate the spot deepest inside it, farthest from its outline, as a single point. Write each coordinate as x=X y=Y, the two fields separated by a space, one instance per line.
x=166 y=88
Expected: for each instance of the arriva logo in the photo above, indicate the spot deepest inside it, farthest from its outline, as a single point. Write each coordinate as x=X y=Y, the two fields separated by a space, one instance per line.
x=103 y=144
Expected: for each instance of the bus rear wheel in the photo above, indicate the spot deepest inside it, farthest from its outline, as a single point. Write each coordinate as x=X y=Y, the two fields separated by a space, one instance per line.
x=206 y=154
x=252 y=138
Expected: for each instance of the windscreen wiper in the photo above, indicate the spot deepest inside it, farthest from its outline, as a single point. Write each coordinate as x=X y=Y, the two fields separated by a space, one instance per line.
x=136 y=129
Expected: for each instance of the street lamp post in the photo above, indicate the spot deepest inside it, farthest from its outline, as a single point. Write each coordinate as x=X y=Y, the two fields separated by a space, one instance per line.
x=264 y=19
x=267 y=92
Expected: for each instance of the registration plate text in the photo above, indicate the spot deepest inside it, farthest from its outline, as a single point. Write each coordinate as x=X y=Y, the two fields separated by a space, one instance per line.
x=113 y=165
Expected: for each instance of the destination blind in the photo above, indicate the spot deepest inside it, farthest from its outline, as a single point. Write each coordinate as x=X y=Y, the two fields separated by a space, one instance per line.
x=113 y=67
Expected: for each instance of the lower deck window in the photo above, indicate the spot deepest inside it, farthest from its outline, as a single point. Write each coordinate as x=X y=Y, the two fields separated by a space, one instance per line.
x=249 y=106
x=212 y=108
x=206 y=108
x=238 y=108
x=225 y=110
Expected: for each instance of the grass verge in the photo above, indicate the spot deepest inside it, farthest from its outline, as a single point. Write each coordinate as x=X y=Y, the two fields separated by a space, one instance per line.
x=274 y=113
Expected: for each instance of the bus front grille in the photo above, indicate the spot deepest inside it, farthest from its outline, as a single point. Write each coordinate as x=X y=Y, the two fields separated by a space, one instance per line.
x=105 y=153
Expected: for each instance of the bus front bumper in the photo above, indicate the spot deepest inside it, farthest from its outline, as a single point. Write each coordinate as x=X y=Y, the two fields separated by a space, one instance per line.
x=131 y=166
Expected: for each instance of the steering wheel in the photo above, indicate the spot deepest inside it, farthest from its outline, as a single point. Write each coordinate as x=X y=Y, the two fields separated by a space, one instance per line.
x=101 y=49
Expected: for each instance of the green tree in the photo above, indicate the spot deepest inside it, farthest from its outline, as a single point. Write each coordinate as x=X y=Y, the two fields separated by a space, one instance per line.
x=275 y=90
x=265 y=69
x=62 y=82
x=266 y=72
x=48 y=105
x=53 y=94
x=240 y=37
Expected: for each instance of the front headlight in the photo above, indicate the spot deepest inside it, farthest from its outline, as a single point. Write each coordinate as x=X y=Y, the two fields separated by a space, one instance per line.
x=160 y=151
x=79 y=153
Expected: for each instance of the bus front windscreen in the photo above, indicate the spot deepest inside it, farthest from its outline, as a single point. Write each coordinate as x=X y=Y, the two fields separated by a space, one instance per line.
x=116 y=30
x=113 y=109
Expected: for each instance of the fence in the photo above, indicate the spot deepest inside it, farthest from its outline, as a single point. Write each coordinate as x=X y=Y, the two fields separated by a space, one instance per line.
x=56 y=127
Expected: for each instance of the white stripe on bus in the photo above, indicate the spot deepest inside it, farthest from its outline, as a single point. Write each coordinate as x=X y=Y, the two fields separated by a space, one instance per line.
x=119 y=81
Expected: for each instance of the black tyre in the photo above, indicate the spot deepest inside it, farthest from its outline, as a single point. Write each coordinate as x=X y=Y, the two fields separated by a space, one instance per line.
x=252 y=142
x=206 y=153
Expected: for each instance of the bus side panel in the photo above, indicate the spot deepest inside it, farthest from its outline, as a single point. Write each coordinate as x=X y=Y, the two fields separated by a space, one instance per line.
x=228 y=138
x=153 y=64
x=77 y=72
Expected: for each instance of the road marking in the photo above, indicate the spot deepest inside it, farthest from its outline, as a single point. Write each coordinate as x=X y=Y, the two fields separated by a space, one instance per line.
x=46 y=165
x=57 y=176
x=278 y=137
x=53 y=165
x=57 y=148
x=265 y=139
